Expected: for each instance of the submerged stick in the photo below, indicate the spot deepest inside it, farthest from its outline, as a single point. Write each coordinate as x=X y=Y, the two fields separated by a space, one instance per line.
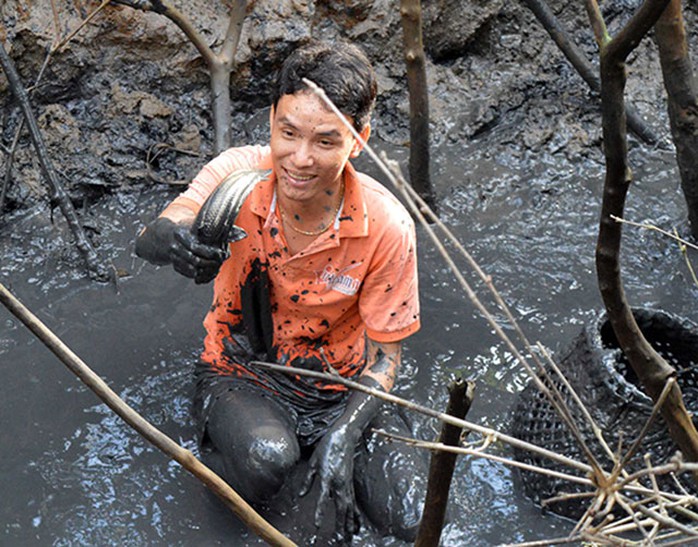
x=144 y=428
x=441 y=466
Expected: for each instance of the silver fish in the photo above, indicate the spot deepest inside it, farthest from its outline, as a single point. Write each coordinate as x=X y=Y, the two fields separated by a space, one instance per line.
x=215 y=223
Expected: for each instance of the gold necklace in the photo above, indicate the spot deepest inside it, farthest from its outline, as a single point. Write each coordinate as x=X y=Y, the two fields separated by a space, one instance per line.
x=321 y=230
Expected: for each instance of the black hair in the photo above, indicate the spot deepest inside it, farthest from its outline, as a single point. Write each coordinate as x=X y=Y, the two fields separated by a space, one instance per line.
x=342 y=70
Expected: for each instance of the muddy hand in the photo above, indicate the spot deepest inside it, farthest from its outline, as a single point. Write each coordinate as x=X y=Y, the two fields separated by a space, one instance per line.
x=194 y=259
x=332 y=463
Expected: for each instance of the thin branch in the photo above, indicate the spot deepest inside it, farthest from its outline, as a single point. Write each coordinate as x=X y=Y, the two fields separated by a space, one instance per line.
x=442 y=416
x=607 y=495
x=419 y=207
x=154 y=152
x=544 y=542
x=479 y=453
x=656 y=229
x=90 y=255
x=585 y=412
x=639 y=25
x=656 y=410
x=232 y=35
x=173 y=14
x=668 y=522
x=59 y=46
x=56 y=22
x=684 y=252
x=664 y=469
x=597 y=23
x=578 y=60
x=153 y=435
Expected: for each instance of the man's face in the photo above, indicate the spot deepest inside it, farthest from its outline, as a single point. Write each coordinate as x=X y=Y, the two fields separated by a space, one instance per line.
x=309 y=147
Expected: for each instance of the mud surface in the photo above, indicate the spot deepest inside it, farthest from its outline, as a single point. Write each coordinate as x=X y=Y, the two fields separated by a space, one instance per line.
x=77 y=474
x=518 y=172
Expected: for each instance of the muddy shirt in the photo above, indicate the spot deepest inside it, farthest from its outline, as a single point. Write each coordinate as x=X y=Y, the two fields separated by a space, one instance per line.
x=313 y=309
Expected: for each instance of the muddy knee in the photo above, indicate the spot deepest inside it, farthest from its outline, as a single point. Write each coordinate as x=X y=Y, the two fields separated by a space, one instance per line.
x=252 y=444
x=265 y=466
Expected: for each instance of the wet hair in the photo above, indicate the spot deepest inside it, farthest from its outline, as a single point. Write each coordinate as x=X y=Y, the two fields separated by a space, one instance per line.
x=341 y=69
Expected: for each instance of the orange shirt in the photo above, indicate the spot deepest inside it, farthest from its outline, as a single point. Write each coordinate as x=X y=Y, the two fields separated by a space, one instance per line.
x=312 y=309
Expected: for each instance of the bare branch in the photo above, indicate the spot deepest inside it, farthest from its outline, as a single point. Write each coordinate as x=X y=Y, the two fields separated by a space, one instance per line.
x=607 y=496
x=648 y=226
x=153 y=435
x=420 y=208
x=90 y=255
x=232 y=36
x=639 y=25
x=174 y=15
x=389 y=397
x=577 y=58
x=597 y=23
x=60 y=45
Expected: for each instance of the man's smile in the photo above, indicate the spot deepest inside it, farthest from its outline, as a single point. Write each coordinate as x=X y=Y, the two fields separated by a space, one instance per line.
x=298 y=179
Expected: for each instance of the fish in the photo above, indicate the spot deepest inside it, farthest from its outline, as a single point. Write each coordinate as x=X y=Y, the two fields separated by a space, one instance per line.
x=214 y=225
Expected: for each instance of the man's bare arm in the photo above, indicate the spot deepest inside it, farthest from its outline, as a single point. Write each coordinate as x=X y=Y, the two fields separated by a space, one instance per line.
x=382 y=362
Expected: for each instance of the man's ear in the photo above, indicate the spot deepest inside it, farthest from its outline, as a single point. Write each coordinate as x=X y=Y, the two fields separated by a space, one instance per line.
x=271 y=117
x=358 y=145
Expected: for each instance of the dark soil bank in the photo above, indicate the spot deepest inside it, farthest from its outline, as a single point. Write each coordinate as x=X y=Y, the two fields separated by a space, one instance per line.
x=126 y=102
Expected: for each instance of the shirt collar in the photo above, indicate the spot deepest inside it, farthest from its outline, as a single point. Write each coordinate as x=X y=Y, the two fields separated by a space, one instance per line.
x=353 y=221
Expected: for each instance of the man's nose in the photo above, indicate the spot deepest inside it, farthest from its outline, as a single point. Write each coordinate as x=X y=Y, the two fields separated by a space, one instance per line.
x=303 y=155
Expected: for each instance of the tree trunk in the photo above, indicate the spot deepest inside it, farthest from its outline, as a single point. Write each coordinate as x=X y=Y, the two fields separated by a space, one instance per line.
x=411 y=12
x=680 y=84
x=576 y=57
x=652 y=370
x=460 y=397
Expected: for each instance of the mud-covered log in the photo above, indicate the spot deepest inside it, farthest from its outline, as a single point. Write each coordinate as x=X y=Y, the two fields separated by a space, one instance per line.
x=411 y=15
x=651 y=369
x=95 y=266
x=682 y=92
x=460 y=397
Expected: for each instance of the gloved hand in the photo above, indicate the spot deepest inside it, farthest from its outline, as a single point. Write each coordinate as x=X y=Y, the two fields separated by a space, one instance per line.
x=167 y=242
x=333 y=463
x=193 y=259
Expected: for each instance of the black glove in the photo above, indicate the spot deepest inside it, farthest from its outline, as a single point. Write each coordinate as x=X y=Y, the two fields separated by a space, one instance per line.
x=333 y=463
x=194 y=259
x=167 y=242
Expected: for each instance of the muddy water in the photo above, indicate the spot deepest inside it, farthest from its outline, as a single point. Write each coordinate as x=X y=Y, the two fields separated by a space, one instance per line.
x=73 y=474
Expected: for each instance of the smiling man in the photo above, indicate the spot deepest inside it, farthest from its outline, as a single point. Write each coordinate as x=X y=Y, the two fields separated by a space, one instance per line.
x=325 y=280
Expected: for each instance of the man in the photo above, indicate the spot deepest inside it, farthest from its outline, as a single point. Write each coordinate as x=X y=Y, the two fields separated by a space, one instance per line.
x=326 y=280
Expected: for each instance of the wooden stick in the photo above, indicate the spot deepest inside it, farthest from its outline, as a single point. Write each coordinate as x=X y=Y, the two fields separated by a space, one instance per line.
x=94 y=265
x=389 y=397
x=418 y=93
x=161 y=441
x=442 y=465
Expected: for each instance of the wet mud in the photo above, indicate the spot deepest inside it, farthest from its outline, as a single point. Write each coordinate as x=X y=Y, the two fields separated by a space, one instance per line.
x=78 y=474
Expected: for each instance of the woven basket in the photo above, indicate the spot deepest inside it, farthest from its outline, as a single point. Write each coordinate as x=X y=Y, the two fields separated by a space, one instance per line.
x=600 y=374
